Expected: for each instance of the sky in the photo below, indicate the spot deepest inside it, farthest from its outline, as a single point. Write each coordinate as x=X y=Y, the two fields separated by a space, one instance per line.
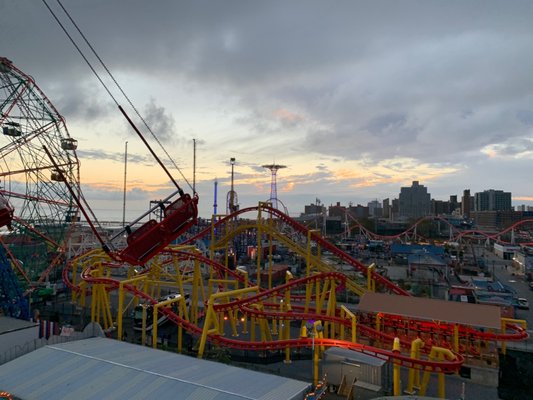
x=356 y=98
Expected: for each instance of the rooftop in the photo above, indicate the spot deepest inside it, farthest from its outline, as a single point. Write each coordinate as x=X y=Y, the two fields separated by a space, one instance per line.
x=478 y=315
x=99 y=368
x=8 y=324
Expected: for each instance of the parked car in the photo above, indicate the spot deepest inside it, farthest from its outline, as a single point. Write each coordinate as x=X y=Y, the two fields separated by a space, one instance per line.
x=523 y=304
x=531 y=286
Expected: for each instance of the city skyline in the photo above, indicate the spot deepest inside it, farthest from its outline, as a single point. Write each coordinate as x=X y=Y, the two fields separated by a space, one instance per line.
x=357 y=99
x=486 y=200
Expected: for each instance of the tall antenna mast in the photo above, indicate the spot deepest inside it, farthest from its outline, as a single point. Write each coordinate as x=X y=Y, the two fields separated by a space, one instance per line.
x=194 y=167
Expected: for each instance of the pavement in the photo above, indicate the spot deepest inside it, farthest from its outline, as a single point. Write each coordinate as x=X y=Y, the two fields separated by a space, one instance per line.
x=509 y=276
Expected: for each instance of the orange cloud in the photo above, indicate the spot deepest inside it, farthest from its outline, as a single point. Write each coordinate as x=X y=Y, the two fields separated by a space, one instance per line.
x=289 y=187
x=523 y=198
x=287 y=116
x=407 y=170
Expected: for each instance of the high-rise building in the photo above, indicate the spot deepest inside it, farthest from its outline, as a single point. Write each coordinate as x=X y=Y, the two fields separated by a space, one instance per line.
x=492 y=200
x=395 y=209
x=414 y=201
x=374 y=209
x=314 y=209
x=386 y=208
x=358 y=211
x=466 y=203
x=337 y=210
x=440 y=207
x=454 y=204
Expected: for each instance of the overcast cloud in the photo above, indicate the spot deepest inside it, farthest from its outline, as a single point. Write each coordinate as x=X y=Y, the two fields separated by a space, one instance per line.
x=357 y=98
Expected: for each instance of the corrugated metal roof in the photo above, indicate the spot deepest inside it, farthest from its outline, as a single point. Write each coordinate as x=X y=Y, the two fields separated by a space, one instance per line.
x=101 y=368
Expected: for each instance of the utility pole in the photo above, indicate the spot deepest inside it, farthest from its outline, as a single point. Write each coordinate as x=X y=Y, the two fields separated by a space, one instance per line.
x=194 y=167
x=125 y=175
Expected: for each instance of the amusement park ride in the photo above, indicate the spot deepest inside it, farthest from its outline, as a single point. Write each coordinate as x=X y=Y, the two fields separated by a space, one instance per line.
x=40 y=202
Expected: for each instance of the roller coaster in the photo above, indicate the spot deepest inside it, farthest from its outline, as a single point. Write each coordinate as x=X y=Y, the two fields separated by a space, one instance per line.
x=520 y=230
x=241 y=311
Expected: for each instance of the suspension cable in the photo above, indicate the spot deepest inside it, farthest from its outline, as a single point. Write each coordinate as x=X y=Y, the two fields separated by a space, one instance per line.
x=112 y=78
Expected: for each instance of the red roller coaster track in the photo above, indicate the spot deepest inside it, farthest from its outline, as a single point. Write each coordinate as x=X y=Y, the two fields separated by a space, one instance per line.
x=272 y=311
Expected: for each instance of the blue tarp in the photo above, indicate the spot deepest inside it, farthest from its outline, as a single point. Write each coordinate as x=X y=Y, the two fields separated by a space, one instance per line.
x=399 y=248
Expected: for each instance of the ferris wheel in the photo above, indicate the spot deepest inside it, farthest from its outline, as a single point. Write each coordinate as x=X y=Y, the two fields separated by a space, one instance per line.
x=32 y=180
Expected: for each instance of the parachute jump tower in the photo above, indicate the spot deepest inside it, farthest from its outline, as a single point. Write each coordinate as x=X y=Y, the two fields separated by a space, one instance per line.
x=273 y=186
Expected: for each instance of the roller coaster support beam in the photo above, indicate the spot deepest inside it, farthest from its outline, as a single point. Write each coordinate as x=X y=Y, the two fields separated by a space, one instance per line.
x=155 y=281
x=143 y=325
x=345 y=312
x=274 y=330
x=510 y=321
x=270 y=261
x=330 y=310
x=286 y=323
x=439 y=354
x=100 y=310
x=197 y=289
x=379 y=316
x=231 y=314
x=266 y=335
x=396 y=381
x=413 y=381
x=320 y=292
x=270 y=226
x=314 y=329
x=309 y=257
x=456 y=338
x=284 y=329
x=259 y=248
x=315 y=365
x=223 y=282
x=89 y=257
x=211 y=323
x=81 y=295
x=371 y=283
x=181 y=303
x=244 y=318
x=244 y=276
x=212 y=244
x=121 y=301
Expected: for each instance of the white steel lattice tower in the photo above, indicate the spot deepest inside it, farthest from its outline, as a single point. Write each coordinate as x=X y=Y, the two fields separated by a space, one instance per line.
x=273 y=187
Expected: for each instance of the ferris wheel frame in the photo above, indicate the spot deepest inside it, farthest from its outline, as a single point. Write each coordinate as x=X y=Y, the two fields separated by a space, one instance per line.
x=44 y=210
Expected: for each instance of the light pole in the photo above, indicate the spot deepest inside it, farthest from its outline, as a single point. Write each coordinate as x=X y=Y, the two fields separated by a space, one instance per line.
x=125 y=175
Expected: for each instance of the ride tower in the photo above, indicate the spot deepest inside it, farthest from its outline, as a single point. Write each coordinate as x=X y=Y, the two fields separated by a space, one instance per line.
x=232 y=201
x=273 y=185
